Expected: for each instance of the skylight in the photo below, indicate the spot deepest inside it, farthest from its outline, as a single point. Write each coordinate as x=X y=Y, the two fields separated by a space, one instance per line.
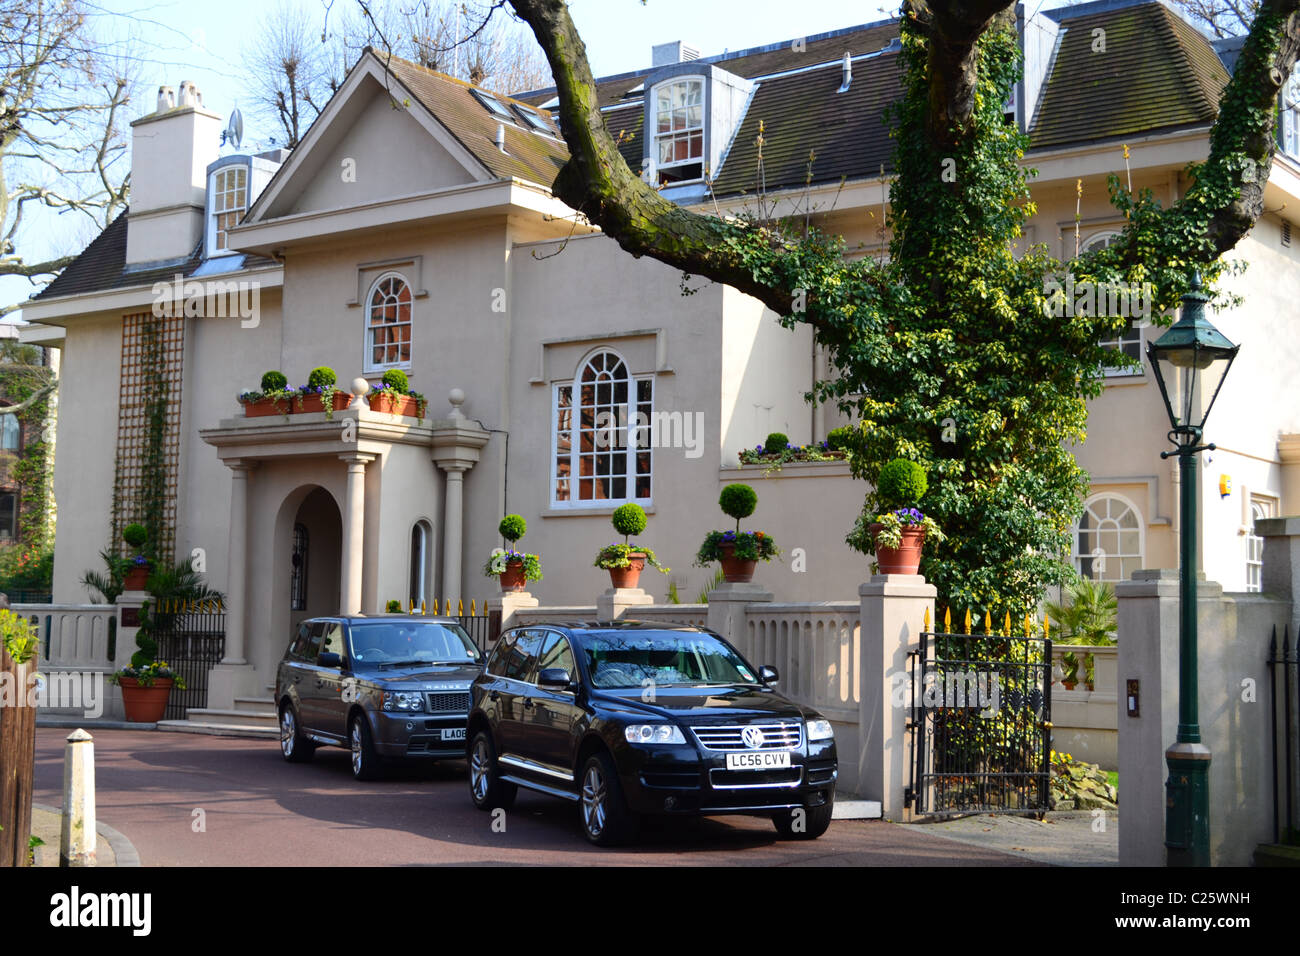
x=533 y=119
x=493 y=104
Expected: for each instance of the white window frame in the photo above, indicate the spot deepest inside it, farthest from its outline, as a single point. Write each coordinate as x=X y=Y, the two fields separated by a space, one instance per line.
x=9 y=423
x=213 y=231
x=1132 y=333
x=1118 y=556
x=367 y=342
x=630 y=449
x=652 y=125
x=1258 y=507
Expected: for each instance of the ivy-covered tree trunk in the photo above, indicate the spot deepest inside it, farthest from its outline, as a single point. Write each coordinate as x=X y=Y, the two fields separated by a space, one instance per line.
x=945 y=354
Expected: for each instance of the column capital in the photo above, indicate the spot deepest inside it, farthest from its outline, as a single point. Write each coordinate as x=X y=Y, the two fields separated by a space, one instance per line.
x=240 y=464
x=356 y=458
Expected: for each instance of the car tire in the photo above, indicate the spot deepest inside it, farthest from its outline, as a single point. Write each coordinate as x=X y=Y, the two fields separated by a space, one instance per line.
x=365 y=759
x=294 y=747
x=815 y=822
x=602 y=809
x=486 y=788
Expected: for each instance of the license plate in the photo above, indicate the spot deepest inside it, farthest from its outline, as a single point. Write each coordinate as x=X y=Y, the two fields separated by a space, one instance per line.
x=453 y=733
x=759 y=760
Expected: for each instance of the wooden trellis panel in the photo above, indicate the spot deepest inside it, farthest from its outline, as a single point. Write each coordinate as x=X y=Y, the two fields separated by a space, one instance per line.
x=152 y=357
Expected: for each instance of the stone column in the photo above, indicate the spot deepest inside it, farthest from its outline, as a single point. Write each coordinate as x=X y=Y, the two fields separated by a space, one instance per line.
x=507 y=603
x=354 y=527
x=727 y=612
x=893 y=612
x=615 y=602
x=457 y=443
x=237 y=563
x=234 y=676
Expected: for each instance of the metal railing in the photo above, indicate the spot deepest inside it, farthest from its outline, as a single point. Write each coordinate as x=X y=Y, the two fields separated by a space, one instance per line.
x=1284 y=667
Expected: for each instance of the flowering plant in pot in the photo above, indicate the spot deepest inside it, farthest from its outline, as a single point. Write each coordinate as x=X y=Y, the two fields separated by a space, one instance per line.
x=320 y=395
x=146 y=688
x=514 y=568
x=737 y=551
x=625 y=561
x=897 y=535
x=274 y=397
x=137 y=569
x=394 y=396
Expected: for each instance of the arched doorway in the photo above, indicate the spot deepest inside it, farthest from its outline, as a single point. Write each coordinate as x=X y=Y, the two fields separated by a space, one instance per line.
x=315 y=546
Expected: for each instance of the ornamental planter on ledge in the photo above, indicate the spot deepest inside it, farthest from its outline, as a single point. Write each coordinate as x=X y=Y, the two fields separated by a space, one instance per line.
x=906 y=558
x=629 y=576
x=735 y=570
x=394 y=404
x=315 y=403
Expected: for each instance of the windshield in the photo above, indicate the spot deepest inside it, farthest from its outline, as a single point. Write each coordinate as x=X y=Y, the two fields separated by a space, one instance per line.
x=636 y=659
x=403 y=641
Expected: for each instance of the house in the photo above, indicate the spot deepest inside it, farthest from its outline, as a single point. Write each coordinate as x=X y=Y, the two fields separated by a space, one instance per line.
x=413 y=228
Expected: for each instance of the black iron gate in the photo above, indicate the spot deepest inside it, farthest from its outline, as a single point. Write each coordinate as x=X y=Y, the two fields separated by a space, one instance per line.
x=1284 y=668
x=483 y=629
x=192 y=640
x=980 y=725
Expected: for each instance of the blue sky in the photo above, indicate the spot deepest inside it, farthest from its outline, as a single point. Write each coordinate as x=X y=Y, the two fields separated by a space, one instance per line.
x=175 y=40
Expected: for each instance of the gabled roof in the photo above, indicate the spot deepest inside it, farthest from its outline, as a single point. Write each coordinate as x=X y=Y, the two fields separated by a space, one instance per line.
x=529 y=154
x=102 y=266
x=1157 y=73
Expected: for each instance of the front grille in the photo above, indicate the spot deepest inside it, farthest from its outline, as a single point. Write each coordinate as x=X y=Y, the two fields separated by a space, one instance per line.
x=777 y=735
x=457 y=703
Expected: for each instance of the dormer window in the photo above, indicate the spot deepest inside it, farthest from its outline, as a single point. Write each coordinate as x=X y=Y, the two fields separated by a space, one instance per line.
x=228 y=189
x=679 y=130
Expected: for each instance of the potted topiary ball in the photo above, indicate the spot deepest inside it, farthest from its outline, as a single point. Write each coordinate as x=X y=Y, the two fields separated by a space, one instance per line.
x=776 y=443
x=898 y=533
x=137 y=575
x=514 y=568
x=390 y=395
x=273 y=397
x=737 y=551
x=625 y=561
x=320 y=395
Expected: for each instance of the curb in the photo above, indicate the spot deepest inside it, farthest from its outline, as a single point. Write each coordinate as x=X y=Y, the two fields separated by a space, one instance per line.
x=124 y=850
x=72 y=723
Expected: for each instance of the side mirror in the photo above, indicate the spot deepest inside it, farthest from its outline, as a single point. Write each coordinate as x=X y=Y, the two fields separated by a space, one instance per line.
x=329 y=660
x=553 y=678
x=767 y=675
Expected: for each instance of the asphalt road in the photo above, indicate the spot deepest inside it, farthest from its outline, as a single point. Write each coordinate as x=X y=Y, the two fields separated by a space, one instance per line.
x=188 y=800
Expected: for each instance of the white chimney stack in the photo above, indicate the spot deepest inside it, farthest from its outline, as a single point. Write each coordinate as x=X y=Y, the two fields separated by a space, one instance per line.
x=501 y=137
x=166 y=99
x=190 y=95
x=847 y=79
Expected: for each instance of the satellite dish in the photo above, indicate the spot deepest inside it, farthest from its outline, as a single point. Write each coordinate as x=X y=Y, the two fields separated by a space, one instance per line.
x=235 y=128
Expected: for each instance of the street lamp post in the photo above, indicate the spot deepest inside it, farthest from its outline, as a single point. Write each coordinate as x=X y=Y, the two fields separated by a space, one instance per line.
x=1190 y=362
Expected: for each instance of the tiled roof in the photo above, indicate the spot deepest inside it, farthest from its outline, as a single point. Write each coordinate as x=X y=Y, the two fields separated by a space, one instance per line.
x=793 y=54
x=803 y=113
x=102 y=266
x=529 y=155
x=1157 y=73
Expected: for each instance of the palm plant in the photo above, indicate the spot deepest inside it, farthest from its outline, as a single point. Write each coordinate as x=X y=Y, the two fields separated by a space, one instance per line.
x=1090 y=618
x=106 y=586
x=181 y=583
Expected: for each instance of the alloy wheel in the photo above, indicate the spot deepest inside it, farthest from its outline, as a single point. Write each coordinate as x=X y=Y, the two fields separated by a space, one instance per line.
x=478 y=770
x=287 y=731
x=593 y=801
x=356 y=746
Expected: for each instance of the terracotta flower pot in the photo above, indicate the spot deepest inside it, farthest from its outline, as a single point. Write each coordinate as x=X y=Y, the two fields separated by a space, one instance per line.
x=513 y=578
x=136 y=578
x=145 y=705
x=629 y=576
x=906 y=558
x=736 y=570
x=394 y=404
x=315 y=403
x=267 y=406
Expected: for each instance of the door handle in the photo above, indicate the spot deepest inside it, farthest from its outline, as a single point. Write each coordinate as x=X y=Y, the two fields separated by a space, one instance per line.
x=296 y=678
x=528 y=702
x=320 y=683
x=494 y=696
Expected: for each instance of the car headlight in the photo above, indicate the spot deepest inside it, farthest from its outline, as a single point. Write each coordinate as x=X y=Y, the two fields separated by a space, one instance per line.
x=820 y=730
x=404 y=701
x=653 y=734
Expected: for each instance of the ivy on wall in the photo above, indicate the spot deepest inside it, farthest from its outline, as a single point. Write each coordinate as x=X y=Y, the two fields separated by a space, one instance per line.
x=21 y=378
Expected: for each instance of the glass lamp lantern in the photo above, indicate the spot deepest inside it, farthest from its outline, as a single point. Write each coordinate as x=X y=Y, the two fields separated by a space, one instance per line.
x=1190 y=361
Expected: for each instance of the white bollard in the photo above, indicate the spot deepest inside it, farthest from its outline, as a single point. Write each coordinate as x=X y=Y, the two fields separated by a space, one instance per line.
x=77 y=841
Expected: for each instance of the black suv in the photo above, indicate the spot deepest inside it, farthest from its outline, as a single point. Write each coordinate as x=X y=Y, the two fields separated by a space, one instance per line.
x=626 y=719
x=385 y=686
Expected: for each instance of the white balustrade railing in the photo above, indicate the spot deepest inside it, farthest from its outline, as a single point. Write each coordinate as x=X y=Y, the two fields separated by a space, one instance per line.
x=815 y=649
x=72 y=636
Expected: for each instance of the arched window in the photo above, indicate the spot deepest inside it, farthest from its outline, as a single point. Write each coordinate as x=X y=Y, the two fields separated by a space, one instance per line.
x=602 y=435
x=1108 y=539
x=421 y=536
x=298 y=570
x=388 y=324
